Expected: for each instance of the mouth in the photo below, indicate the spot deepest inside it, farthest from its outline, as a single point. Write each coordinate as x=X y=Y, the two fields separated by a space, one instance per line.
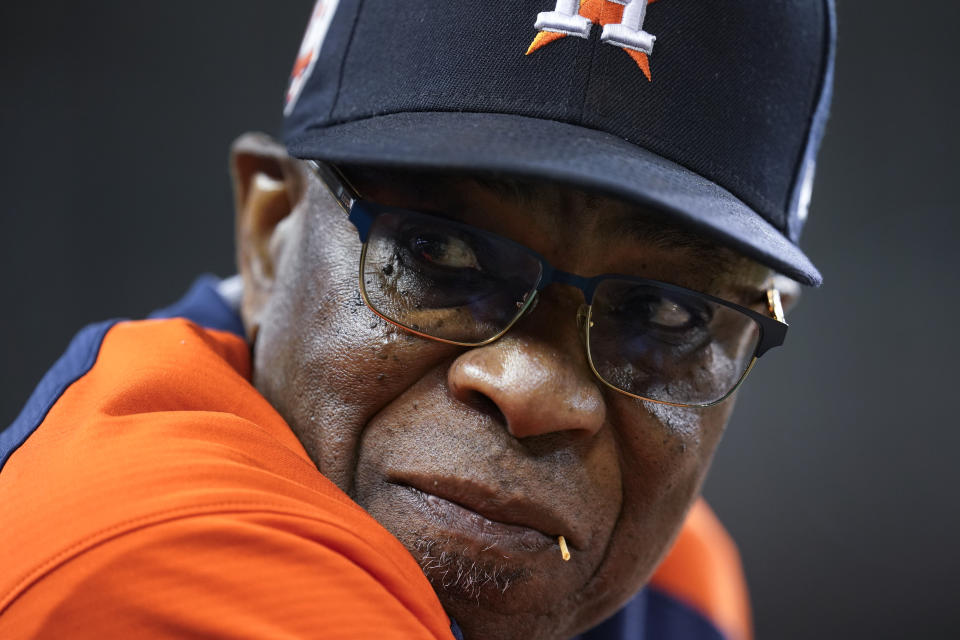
x=485 y=519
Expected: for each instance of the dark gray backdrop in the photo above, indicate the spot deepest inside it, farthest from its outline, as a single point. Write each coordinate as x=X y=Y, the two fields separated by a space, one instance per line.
x=838 y=473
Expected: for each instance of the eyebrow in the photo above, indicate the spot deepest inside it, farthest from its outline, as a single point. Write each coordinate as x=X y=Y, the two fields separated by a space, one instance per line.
x=722 y=261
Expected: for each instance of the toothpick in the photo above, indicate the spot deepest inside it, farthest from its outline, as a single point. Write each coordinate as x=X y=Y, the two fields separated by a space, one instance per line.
x=564 y=552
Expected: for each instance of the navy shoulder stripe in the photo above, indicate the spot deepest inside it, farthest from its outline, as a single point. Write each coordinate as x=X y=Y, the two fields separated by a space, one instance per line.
x=204 y=305
x=654 y=615
x=669 y=618
x=72 y=365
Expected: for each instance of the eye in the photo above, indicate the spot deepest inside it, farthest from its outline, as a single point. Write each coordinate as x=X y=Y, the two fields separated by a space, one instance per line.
x=445 y=251
x=663 y=313
x=669 y=314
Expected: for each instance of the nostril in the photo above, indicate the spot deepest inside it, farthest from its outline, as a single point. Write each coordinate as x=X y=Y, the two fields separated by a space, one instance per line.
x=482 y=402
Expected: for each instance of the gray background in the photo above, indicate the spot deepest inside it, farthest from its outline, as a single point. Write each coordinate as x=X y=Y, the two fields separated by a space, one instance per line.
x=838 y=473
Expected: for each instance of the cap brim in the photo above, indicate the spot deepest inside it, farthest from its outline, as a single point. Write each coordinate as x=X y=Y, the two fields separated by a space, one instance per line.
x=557 y=151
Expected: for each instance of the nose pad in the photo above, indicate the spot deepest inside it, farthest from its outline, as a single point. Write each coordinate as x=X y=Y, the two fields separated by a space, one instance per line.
x=532 y=304
x=583 y=323
x=582 y=314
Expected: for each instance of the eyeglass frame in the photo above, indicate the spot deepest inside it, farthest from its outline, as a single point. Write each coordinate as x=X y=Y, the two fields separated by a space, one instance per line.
x=362 y=213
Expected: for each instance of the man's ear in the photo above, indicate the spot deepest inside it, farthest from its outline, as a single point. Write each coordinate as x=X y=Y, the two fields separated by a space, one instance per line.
x=267 y=186
x=789 y=292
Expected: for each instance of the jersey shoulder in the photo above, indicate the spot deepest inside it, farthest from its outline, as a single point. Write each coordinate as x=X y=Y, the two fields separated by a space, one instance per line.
x=159 y=476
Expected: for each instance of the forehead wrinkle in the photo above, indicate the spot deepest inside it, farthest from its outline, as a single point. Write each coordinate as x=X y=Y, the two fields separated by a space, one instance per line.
x=646 y=226
x=598 y=213
x=515 y=191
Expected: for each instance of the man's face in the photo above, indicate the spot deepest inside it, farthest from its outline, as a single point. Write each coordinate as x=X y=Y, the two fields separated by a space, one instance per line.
x=477 y=459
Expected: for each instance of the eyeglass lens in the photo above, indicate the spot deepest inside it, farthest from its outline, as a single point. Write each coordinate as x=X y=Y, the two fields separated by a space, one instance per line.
x=461 y=284
x=444 y=279
x=664 y=345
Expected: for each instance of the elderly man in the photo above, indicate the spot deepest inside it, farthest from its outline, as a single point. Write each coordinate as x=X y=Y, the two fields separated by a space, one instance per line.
x=498 y=289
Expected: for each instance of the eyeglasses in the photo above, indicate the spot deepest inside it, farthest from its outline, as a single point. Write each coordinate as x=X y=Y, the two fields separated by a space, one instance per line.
x=457 y=284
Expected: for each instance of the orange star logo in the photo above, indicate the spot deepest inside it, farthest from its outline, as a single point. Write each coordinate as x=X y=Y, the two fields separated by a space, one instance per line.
x=603 y=13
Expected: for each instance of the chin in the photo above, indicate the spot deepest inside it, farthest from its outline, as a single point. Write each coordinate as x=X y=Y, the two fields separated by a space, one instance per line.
x=495 y=600
x=493 y=593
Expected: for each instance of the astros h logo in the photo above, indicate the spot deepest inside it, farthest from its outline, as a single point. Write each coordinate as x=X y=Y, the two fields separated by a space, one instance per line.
x=622 y=22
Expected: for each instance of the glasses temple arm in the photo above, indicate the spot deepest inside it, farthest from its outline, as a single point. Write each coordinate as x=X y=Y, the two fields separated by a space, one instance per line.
x=338 y=184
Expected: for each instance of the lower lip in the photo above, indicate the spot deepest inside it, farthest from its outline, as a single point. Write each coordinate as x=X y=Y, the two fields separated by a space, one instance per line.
x=486 y=535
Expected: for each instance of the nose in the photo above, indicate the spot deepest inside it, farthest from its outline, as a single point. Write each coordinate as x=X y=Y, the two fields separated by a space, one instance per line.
x=537 y=376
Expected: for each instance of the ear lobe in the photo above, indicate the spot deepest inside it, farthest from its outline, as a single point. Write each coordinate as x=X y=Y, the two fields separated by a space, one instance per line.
x=267 y=185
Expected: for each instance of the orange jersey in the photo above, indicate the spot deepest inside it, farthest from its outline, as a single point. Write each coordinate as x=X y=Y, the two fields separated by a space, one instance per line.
x=163 y=495
x=160 y=495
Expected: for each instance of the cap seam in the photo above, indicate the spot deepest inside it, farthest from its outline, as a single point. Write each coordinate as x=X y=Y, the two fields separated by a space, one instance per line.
x=590 y=67
x=343 y=59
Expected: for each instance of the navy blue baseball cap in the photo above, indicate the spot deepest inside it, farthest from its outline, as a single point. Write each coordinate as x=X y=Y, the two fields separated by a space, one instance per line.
x=709 y=112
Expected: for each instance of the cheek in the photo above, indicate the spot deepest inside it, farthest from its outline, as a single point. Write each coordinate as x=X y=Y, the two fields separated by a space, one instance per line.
x=665 y=453
x=324 y=360
x=667 y=450
x=666 y=462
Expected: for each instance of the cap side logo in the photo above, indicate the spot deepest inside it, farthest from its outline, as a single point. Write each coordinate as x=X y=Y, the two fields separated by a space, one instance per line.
x=622 y=22
x=317 y=28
